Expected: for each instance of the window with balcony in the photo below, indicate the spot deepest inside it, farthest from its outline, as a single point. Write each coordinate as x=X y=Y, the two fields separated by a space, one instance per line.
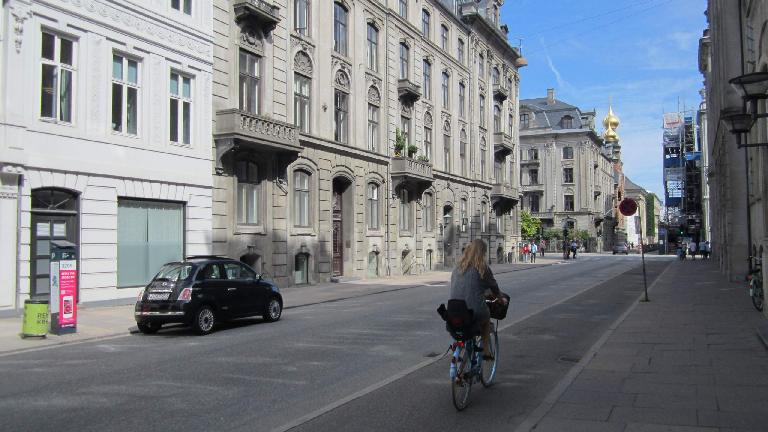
x=250 y=77
x=180 y=109
x=340 y=29
x=567 y=175
x=498 y=170
x=533 y=154
x=567 y=152
x=427 y=78
x=404 y=60
x=248 y=193
x=373 y=47
x=301 y=102
x=534 y=202
x=58 y=72
x=568 y=202
x=125 y=95
x=301 y=12
x=533 y=177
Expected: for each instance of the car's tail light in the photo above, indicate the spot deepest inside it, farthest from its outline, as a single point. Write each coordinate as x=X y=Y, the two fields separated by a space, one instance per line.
x=141 y=295
x=186 y=294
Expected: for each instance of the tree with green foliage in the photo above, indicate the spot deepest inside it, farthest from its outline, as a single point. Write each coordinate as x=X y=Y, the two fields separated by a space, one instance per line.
x=530 y=225
x=552 y=234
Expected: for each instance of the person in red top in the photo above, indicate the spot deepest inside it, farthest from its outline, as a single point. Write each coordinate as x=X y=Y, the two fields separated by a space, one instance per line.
x=526 y=252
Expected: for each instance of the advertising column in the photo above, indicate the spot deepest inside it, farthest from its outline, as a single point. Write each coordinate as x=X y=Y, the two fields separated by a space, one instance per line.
x=63 y=287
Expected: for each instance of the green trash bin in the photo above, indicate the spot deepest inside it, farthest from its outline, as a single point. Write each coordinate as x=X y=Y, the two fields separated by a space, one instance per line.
x=35 y=318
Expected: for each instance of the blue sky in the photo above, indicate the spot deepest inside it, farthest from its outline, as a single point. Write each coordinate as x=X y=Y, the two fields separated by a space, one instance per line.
x=641 y=53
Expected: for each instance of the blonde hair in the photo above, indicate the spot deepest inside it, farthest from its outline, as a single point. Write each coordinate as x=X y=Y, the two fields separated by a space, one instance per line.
x=474 y=257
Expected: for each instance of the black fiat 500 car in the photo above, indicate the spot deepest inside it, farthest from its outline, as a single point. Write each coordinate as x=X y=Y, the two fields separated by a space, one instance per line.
x=201 y=291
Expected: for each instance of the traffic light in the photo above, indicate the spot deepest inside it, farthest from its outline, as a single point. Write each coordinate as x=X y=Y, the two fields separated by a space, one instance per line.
x=681 y=230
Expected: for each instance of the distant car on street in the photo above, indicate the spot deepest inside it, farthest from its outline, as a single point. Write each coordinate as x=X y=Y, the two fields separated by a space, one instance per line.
x=204 y=290
x=620 y=248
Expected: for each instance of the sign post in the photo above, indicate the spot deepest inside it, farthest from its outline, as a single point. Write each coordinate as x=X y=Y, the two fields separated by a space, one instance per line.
x=628 y=207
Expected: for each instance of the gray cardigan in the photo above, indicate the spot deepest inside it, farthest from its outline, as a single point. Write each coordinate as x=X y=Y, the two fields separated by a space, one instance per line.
x=471 y=288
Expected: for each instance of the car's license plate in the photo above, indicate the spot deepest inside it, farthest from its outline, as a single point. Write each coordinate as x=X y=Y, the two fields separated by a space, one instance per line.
x=158 y=296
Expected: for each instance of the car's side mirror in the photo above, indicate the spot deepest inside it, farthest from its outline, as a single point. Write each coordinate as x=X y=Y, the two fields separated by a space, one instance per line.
x=258 y=277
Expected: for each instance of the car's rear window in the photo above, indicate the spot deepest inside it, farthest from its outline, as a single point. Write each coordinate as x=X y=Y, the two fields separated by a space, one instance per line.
x=175 y=272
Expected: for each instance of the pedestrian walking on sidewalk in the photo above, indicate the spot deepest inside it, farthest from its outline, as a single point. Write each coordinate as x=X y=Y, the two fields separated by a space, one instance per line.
x=542 y=245
x=574 y=248
x=526 y=252
x=692 y=249
x=534 y=251
x=708 y=248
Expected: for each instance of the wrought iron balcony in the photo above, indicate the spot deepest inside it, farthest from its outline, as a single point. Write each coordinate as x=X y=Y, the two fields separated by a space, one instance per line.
x=235 y=128
x=504 y=195
x=412 y=174
x=500 y=92
x=260 y=12
x=502 y=144
x=408 y=91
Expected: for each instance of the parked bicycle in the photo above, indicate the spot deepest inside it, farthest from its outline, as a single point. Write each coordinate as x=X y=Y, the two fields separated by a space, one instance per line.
x=468 y=365
x=755 y=280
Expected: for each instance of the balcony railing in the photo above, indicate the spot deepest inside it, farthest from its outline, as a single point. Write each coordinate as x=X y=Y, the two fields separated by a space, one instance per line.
x=530 y=162
x=258 y=132
x=411 y=173
x=505 y=195
x=408 y=91
x=533 y=187
x=502 y=144
x=260 y=11
x=500 y=93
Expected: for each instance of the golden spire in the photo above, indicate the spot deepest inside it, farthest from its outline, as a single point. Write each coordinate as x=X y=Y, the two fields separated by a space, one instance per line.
x=611 y=123
x=610 y=135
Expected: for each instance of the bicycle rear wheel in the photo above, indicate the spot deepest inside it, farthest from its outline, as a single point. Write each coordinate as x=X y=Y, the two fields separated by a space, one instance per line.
x=488 y=371
x=757 y=294
x=461 y=386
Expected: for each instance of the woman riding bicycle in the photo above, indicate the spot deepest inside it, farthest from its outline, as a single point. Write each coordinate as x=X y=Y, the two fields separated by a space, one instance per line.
x=470 y=281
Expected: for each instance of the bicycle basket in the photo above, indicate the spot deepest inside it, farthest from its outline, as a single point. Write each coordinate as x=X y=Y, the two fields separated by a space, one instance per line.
x=499 y=310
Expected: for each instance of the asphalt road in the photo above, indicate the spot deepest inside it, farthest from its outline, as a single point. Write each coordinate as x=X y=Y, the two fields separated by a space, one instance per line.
x=368 y=363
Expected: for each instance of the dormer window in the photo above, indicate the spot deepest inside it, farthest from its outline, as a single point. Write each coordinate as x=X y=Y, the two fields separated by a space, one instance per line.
x=567 y=122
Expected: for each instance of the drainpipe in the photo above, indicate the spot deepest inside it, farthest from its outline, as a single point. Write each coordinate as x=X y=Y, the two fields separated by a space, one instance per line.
x=19 y=183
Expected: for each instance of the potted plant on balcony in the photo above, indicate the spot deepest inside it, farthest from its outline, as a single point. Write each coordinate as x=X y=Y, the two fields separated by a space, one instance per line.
x=412 y=150
x=399 y=142
x=423 y=158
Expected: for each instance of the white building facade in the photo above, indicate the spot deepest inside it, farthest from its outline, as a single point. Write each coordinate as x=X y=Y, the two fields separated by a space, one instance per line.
x=106 y=141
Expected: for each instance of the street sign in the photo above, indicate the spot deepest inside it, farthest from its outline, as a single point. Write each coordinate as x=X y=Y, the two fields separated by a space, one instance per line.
x=628 y=206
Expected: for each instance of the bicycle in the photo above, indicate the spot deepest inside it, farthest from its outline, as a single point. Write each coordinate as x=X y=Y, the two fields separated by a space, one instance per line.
x=468 y=366
x=755 y=279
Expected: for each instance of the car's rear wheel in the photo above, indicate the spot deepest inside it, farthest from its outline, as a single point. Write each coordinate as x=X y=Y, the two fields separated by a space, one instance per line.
x=148 y=327
x=273 y=310
x=204 y=321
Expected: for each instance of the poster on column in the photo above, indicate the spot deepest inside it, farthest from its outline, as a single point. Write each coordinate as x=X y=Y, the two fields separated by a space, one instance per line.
x=68 y=293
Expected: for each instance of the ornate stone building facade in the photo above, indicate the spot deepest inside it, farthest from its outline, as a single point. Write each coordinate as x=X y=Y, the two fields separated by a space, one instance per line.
x=106 y=124
x=362 y=138
x=567 y=172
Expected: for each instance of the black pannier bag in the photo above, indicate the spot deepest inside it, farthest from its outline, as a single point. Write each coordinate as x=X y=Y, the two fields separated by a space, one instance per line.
x=499 y=310
x=458 y=319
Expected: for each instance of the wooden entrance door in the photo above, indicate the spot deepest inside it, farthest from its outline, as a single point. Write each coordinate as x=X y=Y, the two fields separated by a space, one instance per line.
x=338 y=236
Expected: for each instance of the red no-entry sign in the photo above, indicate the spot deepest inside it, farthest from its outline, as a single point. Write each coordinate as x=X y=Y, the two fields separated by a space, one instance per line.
x=627 y=206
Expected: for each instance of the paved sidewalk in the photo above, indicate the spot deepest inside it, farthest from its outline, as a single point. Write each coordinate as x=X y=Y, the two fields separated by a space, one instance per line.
x=98 y=321
x=688 y=361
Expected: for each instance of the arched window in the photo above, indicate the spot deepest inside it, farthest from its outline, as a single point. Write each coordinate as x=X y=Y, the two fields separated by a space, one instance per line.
x=248 y=193
x=301 y=102
x=429 y=212
x=301 y=201
x=373 y=206
x=301 y=11
x=340 y=28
